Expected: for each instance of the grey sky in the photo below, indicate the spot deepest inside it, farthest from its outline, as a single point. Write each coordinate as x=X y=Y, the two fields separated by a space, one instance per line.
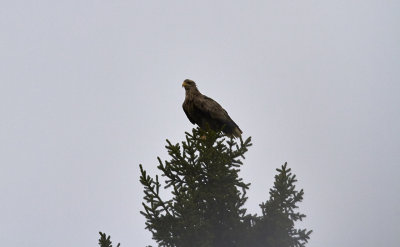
x=90 y=89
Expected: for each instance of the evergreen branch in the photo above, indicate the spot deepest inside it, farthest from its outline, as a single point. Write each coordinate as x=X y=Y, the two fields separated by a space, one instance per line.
x=152 y=194
x=105 y=241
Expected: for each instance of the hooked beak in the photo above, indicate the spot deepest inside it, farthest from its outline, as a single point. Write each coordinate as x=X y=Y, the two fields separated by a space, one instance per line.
x=184 y=84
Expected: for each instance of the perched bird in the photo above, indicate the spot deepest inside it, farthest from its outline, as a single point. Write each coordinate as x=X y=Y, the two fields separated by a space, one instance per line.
x=207 y=113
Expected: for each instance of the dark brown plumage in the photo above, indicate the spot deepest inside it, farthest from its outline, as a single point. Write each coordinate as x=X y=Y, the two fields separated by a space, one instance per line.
x=207 y=113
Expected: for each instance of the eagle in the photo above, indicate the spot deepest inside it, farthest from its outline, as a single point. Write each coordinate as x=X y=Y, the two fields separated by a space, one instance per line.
x=206 y=112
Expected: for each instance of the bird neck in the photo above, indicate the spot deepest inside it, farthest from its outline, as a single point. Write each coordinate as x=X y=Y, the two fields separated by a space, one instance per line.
x=193 y=91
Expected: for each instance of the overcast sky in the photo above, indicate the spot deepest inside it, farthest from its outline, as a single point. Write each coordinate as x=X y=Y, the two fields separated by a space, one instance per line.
x=90 y=89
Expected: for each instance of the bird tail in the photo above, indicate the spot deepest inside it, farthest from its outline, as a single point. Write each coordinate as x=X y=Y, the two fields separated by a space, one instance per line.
x=231 y=129
x=237 y=132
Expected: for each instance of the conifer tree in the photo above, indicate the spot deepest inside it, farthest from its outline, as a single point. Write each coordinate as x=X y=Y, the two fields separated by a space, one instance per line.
x=275 y=227
x=206 y=208
x=208 y=195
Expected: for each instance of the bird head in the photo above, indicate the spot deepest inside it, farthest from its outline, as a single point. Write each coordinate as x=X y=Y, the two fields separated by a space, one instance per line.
x=188 y=84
